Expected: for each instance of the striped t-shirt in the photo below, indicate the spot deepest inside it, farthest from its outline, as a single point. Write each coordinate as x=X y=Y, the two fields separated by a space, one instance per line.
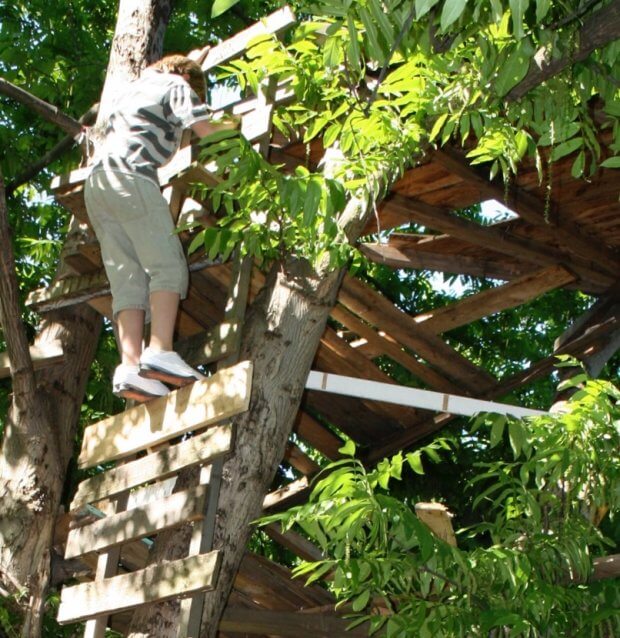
x=145 y=129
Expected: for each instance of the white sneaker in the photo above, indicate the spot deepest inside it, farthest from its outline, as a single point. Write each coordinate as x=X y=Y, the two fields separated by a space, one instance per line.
x=128 y=383
x=167 y=366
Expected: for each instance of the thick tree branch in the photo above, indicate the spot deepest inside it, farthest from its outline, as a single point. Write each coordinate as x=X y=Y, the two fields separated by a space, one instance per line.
x=600 y=29
x=62 y=147
x=22 y=369
x=47 y=111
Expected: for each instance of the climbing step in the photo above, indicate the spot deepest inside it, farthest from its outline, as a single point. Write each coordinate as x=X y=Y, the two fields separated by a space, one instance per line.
x=138 y=522
x=201 y=448
x=156 y=583
x=219 y=397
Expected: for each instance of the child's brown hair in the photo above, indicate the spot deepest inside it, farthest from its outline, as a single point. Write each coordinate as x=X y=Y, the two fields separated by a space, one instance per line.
x=182 y=65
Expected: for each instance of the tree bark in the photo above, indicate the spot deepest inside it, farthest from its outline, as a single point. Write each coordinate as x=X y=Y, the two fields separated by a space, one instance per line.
x=42 y=421
x=138 y=41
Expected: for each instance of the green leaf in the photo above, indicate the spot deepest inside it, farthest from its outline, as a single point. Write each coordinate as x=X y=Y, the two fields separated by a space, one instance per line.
x=566 y=148
x=311 y=203
x=221 y=6
x=361 y=601
x=415 y=462
x=611 y=162
x=451 y=12
x=542 y=8
x=497 y=430
x=513 y=70
x=516 y=435
x=579 y=165
x=422 y=7
x=437 y=126
x=518 y=8
x=348 y=449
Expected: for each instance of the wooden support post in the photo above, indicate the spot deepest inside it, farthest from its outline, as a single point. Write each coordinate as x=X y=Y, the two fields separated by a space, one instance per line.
x=202 y=539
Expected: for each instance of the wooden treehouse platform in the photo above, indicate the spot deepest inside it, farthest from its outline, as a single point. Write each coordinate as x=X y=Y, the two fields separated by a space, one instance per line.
x=572 y=241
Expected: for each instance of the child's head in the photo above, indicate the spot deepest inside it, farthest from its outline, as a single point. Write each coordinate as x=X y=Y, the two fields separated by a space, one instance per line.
x=182 y=65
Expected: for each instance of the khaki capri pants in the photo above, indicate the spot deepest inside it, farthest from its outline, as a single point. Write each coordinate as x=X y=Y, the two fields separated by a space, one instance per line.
x=140 y=250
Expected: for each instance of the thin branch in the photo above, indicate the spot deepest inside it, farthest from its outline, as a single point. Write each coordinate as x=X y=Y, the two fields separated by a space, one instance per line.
x=47 y=111
x=62 y=147
x=22 y=369
x=573 y=16
x=600 y=29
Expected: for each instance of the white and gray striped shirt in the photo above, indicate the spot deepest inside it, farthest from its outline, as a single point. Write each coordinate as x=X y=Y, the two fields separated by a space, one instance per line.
x=145 y=129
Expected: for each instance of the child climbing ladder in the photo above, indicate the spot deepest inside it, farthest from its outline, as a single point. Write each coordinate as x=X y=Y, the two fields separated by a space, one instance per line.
x=142 y=254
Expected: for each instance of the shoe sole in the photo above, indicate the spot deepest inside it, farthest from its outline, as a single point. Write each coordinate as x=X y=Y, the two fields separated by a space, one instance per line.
x=165 y=376
x=134 y=394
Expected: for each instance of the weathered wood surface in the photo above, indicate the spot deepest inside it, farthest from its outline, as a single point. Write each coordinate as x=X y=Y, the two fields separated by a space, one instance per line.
x=219 y=397
x=437 y=518
x=379 y=311
x=201 y=448
x=137 y=522
x=295 y=624
x=488 y=302
x=42 y=355
x=233 y=47
x=152 y=584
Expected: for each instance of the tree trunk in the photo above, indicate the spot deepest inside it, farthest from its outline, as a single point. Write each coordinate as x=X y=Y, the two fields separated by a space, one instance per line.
x=41 y=425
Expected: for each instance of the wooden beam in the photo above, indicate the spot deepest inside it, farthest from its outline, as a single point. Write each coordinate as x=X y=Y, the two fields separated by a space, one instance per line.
x=290 y=491
x=288 y=623
x=317 y=435
x=201 y=448
x=69 y=291
x=138 y=522
x=274 y=23
x=336 y=354
x=152 y=584
x=42 y=355
x=395 y=256
x=485 y=236
x=495 y=300
x=300 y=460
x=532 y=210
x=379 y=311
x=392 y=349
x=606 y=567
x=296 y=543
x=214 y=399
x=414 y=397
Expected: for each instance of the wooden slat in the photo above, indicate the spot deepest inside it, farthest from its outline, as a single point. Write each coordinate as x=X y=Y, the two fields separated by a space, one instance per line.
x=138 y=522
x=494 y=300
x=235 y=46
x=69 y=291
x=153 y=584
x=289 y=623
x=323 y=439
x=403 y=395
x=392 y=349
x=42 y=355
x=379 y=311
x=223 y=395
x=543 y=254
x=201 y=448
x=530 y=208
x=396 y=256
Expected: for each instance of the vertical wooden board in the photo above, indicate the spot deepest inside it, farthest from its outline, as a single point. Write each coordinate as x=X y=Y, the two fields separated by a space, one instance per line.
x=153 y=584
x=223 y=395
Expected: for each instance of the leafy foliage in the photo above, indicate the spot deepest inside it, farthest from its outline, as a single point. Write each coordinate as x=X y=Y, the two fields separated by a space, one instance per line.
x=527 y=571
